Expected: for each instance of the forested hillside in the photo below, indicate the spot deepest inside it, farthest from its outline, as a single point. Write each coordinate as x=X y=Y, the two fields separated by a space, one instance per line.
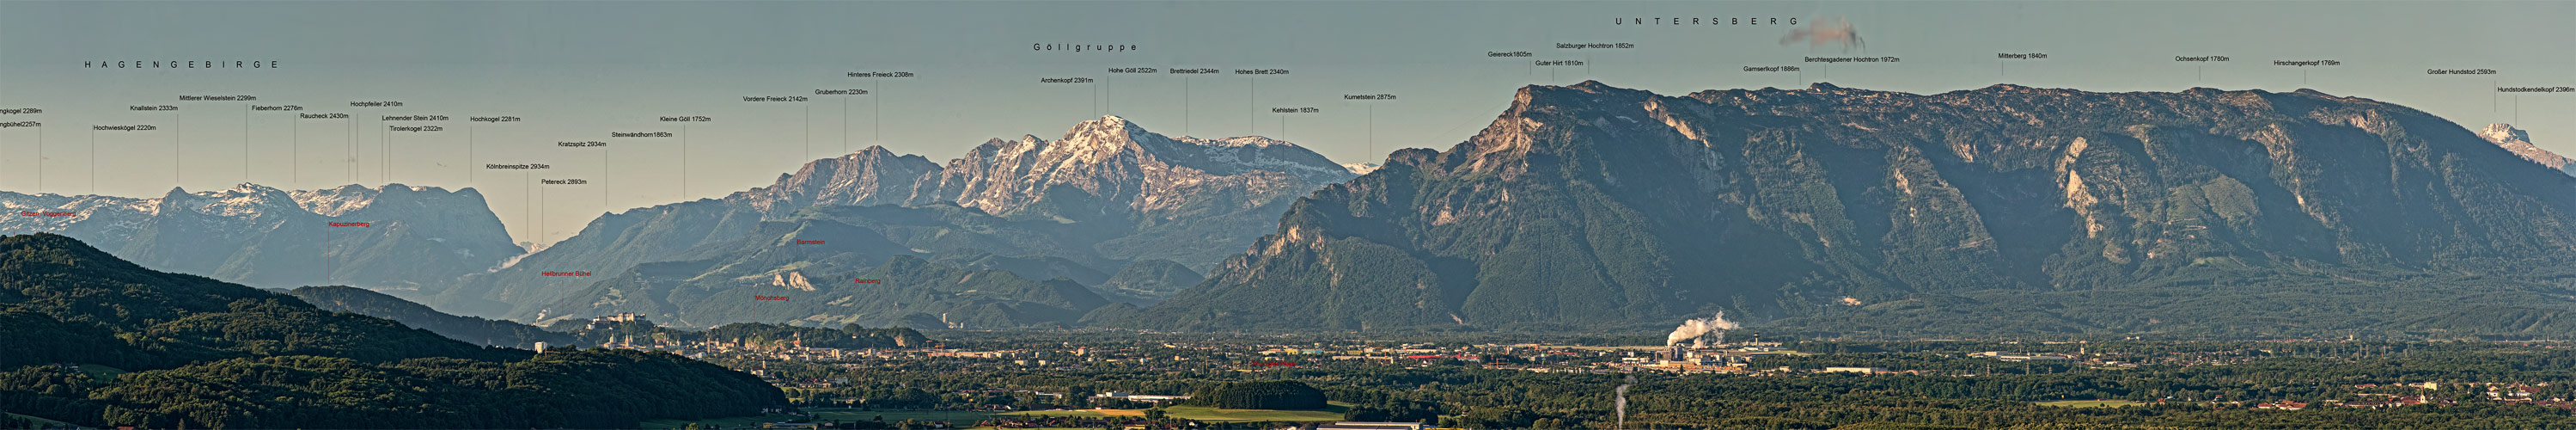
x=93 y=340
x=474 y=330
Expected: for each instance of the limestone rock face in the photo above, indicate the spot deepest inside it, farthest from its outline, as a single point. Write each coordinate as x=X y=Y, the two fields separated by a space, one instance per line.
x=1595 y=206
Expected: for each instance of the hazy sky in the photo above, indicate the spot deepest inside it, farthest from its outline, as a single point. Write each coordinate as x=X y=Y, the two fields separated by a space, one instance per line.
x=576 y=71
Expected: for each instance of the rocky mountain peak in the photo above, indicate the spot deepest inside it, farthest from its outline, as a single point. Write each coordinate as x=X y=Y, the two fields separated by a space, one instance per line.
x=1119 y=163
x=243 y=200
x=1590 y=205
x=1108 y=122
x=869 y=176
x=347 y=199
x=2519 y=142
x=1099 y=140
x=872 y=151
x=403 y=235
x=2501 y=133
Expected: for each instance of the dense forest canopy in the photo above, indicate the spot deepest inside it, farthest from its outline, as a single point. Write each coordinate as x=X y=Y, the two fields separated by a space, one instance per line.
x=1259 y=395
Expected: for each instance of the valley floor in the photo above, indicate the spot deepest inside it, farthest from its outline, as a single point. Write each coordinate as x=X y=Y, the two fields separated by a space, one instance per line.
x=1026 y=379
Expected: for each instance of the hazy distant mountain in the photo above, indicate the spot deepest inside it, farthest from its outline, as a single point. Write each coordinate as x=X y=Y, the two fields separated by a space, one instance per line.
x=1149 y=281
x=931 y=266
x=808 y=270
x=1106 y=193
x=394 y=236
x=1035 y=267
x=1595 y=206
x=2515 y=140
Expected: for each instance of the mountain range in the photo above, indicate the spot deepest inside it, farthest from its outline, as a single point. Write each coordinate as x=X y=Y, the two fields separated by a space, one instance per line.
x=832 y=266
x=2518 y=142
x=390 y=237
x=1825 y=210
x=1854 y=211
x=1106 y=195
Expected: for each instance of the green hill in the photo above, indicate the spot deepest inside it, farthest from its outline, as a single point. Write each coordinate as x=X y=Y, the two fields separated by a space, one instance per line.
x=201 y=353
x=468 y=329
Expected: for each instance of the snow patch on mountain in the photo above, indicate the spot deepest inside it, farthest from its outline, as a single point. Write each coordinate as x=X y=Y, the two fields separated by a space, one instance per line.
x=1240 y=141
x=1262 y=153
x=263 y=236
x=351 y=198
x=2501 y=133
x=2519 y=143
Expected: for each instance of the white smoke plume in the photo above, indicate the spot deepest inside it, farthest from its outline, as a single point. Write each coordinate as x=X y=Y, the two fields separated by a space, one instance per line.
x=1623 y=402
x=1819 y=33
x=1692 y=330
x=514 y=260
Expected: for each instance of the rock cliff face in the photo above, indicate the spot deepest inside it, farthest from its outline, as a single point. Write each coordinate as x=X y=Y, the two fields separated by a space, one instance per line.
x=1114 y=191
x=2513 y=139
x=872 y=176
x=395 y=236
x=1592 y=206
x=1111 y=168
